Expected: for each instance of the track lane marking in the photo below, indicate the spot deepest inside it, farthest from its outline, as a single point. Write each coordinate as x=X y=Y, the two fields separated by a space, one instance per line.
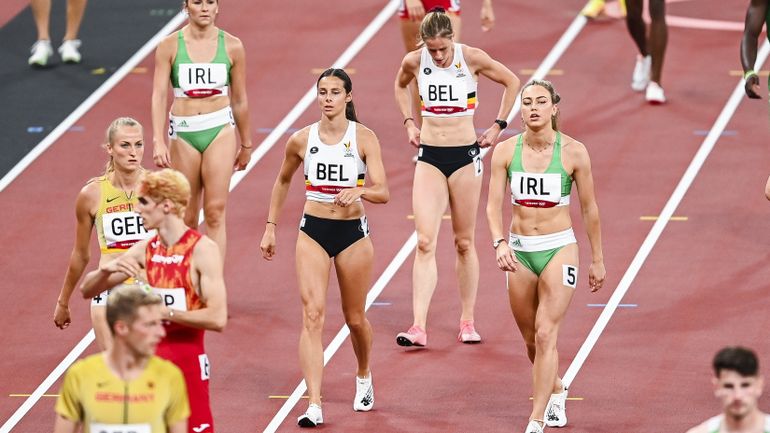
x=665 y=215
x=89 y=103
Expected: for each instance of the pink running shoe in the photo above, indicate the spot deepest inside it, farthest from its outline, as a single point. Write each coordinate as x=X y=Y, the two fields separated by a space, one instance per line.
x=468 y=334
x=415 y=336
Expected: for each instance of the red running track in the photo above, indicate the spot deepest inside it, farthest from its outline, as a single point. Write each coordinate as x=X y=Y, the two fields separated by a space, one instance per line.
x=651 y=363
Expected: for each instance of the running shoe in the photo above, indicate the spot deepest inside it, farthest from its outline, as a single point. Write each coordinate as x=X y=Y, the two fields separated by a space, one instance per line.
x=69 y=51
x=593 y=9
x=468 y=334
x=415 y=336
x=641 y=76
x=654 y=94
x=534 y=427
x=41 y=51
x=364 y=401
x=556 y=410
x=312 y=417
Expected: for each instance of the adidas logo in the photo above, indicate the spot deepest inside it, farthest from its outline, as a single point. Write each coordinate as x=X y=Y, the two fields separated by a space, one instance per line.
x=367 y=400
x=517 y=242
x=183 y=124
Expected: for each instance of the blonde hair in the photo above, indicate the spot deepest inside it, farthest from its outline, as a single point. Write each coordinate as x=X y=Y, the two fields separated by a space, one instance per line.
x=109 y=137
x=167 y=184
x=555 y=98
x=436 y=24
x=124 y=301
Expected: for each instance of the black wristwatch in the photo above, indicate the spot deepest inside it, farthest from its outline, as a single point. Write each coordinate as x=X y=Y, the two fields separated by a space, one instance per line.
x=501 y=123
x=496 y=243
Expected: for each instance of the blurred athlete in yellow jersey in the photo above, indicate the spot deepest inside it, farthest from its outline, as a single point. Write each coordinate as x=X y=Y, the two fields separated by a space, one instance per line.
x=125 y=388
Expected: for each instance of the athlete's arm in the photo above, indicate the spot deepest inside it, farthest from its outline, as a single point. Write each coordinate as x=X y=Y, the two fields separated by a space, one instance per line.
x=179 y=427
x=85 y=204
x=239 y=101
x=292 y=158
x=755 y=19
x=481 y=63
x=163 y=58
x=114 y=272
x=405 y=75
x=207 y=263
x=63 y=425
x=377 y=190
x=498 y=178
x=590 y=210
x=487 y=15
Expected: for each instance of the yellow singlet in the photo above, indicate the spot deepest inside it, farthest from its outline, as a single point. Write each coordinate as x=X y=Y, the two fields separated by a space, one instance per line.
x=102 y=402
x=117 y=225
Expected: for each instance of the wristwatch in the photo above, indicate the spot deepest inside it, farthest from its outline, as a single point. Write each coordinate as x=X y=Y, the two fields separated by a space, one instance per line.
x=496 y=243
x=501 y=123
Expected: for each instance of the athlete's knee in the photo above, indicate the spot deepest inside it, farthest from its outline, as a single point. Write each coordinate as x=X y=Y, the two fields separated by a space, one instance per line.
x=313 y=317
x=214 y=213
x=463 y=245
x=657 y=10
x=425 y=244
x=356 y=322
x=545 y=337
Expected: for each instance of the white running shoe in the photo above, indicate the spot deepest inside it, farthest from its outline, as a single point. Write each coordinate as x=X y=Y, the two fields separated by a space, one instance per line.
x=654 y=94
x=364 y=401
x=69 y=51
x=534 y=427
x=556 y=410
x=312 y=416
x=641 y=76
x=41 y=51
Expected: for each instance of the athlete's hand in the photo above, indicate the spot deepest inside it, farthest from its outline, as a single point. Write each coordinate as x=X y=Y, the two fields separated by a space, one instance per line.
x=348 y=196
x=752 y=87
x=415 y=9
x=413 y=132
x=487 y=17
x=160 y=154
x=596 y=274
x=61 y=316
x=125 y=264
x=242 y=158
x=489 y=137
x=268 y=242
x=506 y=259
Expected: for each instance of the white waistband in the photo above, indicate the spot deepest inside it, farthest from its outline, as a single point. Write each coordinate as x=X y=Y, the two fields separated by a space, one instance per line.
x=201 y=122
x=179 y=92
x=541 y=242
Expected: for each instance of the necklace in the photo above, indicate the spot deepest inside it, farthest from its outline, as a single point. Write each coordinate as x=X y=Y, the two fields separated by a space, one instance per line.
x=541 y=149
x=122 y=187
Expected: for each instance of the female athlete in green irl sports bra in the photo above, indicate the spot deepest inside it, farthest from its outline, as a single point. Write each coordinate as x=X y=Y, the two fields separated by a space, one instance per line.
x=207 y=70
x=540 y=254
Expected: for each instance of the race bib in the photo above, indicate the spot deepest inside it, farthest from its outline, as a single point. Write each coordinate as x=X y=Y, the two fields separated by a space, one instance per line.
x=446 y=98
x=123 y=229
x=203 y=359
x=120 y=428
x=174 y=299
x=206 y=78
x=536 y=189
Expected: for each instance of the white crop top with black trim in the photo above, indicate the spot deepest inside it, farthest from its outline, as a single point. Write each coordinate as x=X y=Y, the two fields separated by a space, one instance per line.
x=330 y=168
x=446 y=92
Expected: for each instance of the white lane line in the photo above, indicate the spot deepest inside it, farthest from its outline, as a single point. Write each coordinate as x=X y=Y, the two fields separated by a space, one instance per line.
x=47 y=383
x=553 y=56
x=91 y=101
x=665 y=215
